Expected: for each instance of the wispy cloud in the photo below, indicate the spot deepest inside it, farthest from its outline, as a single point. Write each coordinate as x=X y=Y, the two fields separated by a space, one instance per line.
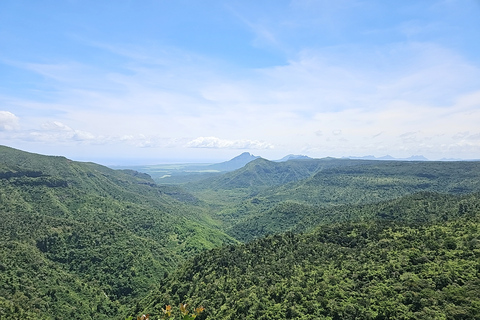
x=263 y=33
x=158 y=108
x=342 y=79
x=216 y=143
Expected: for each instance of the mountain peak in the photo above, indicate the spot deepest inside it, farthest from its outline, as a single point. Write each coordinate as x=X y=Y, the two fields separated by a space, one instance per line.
x=235 y=163
x=293 y=157
x=245 y=155
x=417 y=158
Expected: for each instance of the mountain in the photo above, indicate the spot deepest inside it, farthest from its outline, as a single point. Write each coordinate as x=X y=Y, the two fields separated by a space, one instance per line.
x=265 y=197
x=233 y=164
x=416 y=158
x=262 y=173
x=390 y=158
x=342 y=181
x=84 y=241
x=298 y=239
x=293 y=157
x=184 y=173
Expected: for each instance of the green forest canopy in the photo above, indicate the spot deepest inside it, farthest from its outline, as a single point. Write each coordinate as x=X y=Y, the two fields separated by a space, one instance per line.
x=336 y=239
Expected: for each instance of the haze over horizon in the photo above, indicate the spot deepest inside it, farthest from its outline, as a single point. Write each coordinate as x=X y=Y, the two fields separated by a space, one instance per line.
x=205 y=81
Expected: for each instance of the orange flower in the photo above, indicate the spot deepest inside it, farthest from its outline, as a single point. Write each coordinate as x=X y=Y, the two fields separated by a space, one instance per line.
x=168 y=310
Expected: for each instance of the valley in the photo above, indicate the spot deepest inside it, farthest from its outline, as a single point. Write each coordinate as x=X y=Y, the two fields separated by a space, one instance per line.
x=251 y=238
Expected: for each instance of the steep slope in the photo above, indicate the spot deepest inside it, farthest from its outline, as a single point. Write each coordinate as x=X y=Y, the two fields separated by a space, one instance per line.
x=371 y=270
x=115 y=231
x=382 y=180
x=297 y=217
x=261 y=174
x=327 y=183
x=34 y=287
x=235 y=163
x=175 y=174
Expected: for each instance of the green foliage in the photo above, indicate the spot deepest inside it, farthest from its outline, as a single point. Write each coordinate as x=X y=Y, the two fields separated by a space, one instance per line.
x=85 y=241
x=260 y=198
x=347 y=239
x=169 y=313
x=375 y=181
x=371 y=270
x=33 y=287
x=298 y=217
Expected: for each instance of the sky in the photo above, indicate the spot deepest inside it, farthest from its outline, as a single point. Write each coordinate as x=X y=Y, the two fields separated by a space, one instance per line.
x=158 y=81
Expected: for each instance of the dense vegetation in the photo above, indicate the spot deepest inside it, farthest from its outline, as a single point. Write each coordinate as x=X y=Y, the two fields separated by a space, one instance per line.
x=322 y=238
x=298 y=217
x=368 y=270
x=266 y=197
x=81 y=240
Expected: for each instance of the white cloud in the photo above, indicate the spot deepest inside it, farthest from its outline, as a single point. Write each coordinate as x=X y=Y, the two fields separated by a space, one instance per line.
x=150 y=141
x=216 y=143
x=8 y=121
x=337 y=132
x=159 y=96
x=461 y=135
x=56 y=126
x=55 y=71
x=474 y=137
x=58 y=132
x=85 y=136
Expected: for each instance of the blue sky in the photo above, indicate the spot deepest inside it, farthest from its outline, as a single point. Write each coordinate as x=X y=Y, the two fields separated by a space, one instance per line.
x=180 y=81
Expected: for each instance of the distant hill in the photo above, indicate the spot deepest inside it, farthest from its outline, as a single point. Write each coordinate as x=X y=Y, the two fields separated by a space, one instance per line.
x=262 y=173
x=323 y=238
x=263 y=189
x=187 y=172
x=390 y=158
x=184 y=173
x=233 y=164
x=293 y=157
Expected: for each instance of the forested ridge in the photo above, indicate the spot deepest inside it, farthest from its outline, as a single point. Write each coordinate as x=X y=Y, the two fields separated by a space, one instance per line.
x=302 y=239
x=84 y=241
x=366 y=270
x=299 y=217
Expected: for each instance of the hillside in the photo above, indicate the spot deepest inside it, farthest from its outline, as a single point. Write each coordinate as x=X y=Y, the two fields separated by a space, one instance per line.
x=233 y=164
x=296 y=217
x=262 y=173
x=368 y=270
x=309 y=179
x=257 y=177
x=246 y=195
x=111 y=233
x=322 y=239
x=293 y=157
x=176 y=174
